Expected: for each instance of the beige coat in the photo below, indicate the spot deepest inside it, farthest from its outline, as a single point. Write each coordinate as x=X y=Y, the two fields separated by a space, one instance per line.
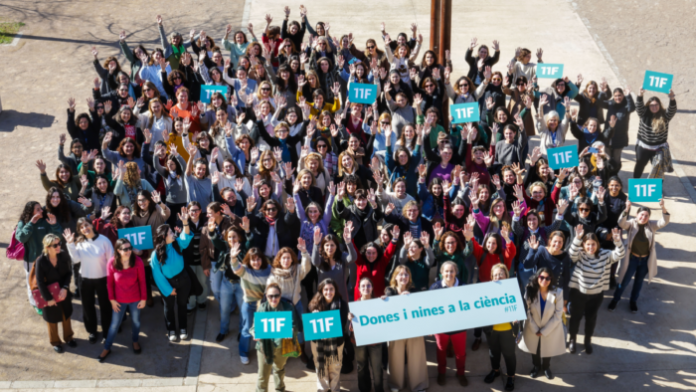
x=549 y=324
x=631 y=226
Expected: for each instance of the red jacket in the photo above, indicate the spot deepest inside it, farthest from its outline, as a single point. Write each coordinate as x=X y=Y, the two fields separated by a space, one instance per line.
x=375 y=271
x=492 y=259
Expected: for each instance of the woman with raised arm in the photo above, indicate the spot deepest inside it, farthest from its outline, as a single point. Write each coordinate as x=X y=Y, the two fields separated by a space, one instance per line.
x=589 y=280
x=653 y=129
x=543 y=331
x=642 y=260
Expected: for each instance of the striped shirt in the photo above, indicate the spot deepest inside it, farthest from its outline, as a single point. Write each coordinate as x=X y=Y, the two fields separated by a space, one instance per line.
x=591 y=274
x=646 y=134
x=253 y=281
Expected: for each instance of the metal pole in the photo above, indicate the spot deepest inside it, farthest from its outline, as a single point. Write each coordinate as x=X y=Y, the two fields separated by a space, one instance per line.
x=434 y=43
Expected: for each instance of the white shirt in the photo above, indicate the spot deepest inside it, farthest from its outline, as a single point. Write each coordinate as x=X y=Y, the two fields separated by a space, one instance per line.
x=93 y=255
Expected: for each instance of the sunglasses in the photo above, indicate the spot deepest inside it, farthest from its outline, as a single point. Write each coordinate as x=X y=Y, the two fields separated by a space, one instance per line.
x=544 y=278
x=371 y=47
x=142 y=200
x=584 y=209
x=464 y=85
x=54 y=246
x=126 y=249
x=176 y=77
x=100 y=107
x=520 y=83
x=194 y=210
x=385 y=122
x=265 y=89
x=429 y=85
x=146 y=89
x=321 y=146
x=272 y=296
x=271 y=209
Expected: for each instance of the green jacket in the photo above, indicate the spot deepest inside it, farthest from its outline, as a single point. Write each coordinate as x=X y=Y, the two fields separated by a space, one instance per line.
x=32 y=235
x=71 y=189
x=337 y=223
x=459 y=258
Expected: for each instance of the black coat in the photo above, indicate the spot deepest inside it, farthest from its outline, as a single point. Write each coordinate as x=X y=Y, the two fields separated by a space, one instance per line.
x=404 y=224
x=46 y=275
x=287 y=230
x=364 y=230
x=90 y=137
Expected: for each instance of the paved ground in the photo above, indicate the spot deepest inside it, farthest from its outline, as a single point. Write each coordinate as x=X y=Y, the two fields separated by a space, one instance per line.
x=52 y=62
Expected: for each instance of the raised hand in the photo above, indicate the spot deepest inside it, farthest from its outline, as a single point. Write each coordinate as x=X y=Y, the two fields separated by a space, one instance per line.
x=184 y=215
x=317 y=235
x=348 y=232
x=533 y=242
x=69 y=236
x=301 y=245
x=579 y=231
x=616 y=234
x=517 y=208
x=438 y=229
x=51 y=219
x=561 y=206
x=41 y=166
x=389 y=209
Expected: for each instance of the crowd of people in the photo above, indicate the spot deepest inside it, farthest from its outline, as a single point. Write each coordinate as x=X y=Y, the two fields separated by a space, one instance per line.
x=282 y=195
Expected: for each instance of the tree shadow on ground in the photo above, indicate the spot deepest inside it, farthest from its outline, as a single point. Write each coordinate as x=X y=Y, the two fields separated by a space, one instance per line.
x=11 y=119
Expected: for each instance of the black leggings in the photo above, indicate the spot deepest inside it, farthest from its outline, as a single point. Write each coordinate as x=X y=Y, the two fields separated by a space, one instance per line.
x=502 y=342
x=90 y=288
x=182 y=284
x=586 y=305
x=643 y=156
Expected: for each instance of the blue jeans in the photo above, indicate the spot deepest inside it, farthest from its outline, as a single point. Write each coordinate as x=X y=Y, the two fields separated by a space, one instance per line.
x=248 y=310
x=116 y=322
x=228 y=295
x=637 y=266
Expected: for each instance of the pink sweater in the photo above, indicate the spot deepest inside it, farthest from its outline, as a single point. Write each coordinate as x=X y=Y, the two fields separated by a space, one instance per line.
x=127 y=285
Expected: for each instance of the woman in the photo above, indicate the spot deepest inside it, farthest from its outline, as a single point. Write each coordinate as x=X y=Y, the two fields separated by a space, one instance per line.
x=448 y=248
x=414 y=348
x=642 y=260
x=417 y=255
x=53 y=268
x=93 y=252
x=128 y=150
x=372 y=264
x=270 y=351
x=450 y=273
x=372 y=352
x=522 y=65
x=272 y=229
x=157 y=120
x=363 y=211
x=328 y=353
x=35 y=224
x=653 y=129
x=254 y=271
x=551 y=130
x=588 y=133
x=126 y=284
x=616 y=201
x=403 y=163
x=199 y=185
x=331 y=263
x=129 y=183
x=65 y=181
x=501 y=340
x=86 y=129
x=174 y=184
x=313 y=216
x=478 y=64
x=543 y=331
x=620 y=106
x=101 y=196
x=552 y=257
x=589 y=280
x=239 y=46
x=592 y=101
x=148 y=210
x=168 y=272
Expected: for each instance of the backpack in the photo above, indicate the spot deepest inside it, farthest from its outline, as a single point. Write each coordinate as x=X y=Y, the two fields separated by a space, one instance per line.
x=15 y=250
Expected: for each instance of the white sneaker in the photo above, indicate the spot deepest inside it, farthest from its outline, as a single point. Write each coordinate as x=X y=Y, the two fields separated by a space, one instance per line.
x=172 y=336
x=183 y=335
x=245 y=360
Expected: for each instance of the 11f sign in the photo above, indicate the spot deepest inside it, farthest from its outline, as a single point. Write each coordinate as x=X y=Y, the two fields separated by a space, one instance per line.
x=362 y=93
x=644 y=190
x=272 y=325
x=207 y=92
x=464 y=112
x=563 y=157
x=140 y=237
x=549 y=71
x=655 y=81
x=322 y=325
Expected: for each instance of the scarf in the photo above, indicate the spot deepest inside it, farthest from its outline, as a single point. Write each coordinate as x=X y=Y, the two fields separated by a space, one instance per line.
x=284 y=274
x=362 y=214
x=590 y=137
x=271 y=221
x=327 y=349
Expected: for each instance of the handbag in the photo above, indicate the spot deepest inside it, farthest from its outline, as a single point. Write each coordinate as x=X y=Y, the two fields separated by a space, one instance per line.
x=290 y=347
x=15 y=250
x=41 y=303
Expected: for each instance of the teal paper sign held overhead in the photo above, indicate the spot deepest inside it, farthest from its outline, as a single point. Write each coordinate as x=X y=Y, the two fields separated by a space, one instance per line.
x=362 y=93
x=644 y=189
x=655 y=81
x=549 y=71
x=207 y=92
x=322 y=325
x=464 y=112
x=140 y=237
x=272 y=325
x=563 y=157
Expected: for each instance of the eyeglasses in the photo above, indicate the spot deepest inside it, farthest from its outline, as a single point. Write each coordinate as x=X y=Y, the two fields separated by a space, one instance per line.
x=544 y=278
x=55 y=246
x=128 y=249
x=321 y=146
x=272 y=296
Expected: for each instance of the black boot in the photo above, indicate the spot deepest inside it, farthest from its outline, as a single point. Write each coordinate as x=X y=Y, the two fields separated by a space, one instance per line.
x=588 y=345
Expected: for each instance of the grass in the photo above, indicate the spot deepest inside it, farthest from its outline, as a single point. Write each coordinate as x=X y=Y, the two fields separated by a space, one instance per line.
x=7 y=31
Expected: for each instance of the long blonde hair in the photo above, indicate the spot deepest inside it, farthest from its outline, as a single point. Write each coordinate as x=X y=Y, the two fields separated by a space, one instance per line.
x=132 y=175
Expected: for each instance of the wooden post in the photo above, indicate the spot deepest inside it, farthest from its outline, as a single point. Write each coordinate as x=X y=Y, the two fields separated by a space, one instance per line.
x=440 y=38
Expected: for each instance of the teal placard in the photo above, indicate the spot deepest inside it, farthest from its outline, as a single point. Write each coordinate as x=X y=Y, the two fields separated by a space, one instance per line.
x=272 y=325
x=549 y=71
x=464 y=112
x=362 y=93
x=140 y=237
x=436 y=311
x=322 y=325
x=656 y=81
x=562 y=157
x=207 y=92
x=644 y=189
